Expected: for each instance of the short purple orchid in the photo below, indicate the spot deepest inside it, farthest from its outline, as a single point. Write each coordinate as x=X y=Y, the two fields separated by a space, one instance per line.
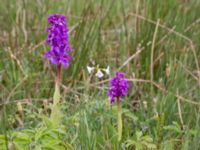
x=57 y=39
x=118 y=87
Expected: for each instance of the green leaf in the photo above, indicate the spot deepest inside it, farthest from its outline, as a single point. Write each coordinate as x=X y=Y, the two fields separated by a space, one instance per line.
x=21 y=137
x=56 y=115
x=47 y=121
x=129 y=114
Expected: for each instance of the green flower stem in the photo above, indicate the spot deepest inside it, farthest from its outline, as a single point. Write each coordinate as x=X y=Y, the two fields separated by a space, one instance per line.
x=119 y=121
x=55 y=114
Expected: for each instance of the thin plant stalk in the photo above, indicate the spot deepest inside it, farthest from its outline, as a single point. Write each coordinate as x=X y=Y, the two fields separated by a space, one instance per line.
x=4 y=116
x=119 y=120
x=55 y=114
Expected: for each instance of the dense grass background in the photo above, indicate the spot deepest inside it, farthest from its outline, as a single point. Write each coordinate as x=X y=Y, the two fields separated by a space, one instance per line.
x=155 y=42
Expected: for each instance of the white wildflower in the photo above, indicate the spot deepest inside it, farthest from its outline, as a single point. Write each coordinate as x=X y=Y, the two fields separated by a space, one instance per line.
x=107 y=70
x=90 y=69
x=99 y=74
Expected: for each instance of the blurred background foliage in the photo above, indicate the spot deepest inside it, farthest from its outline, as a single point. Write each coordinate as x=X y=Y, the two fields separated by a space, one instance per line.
x=155 y=42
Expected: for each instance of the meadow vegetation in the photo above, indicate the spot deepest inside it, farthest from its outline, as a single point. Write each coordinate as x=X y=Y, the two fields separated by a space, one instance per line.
x=156 y=43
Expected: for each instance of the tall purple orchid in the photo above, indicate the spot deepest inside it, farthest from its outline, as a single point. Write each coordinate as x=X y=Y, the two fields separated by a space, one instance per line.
x=57 y=39
x=118 y=87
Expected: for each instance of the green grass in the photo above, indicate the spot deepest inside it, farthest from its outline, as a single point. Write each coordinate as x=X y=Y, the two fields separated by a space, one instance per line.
x=106 y=32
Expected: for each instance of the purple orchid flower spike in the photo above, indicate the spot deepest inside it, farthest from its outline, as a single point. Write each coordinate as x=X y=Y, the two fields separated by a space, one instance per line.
x=57 y=39
x=118 y=87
